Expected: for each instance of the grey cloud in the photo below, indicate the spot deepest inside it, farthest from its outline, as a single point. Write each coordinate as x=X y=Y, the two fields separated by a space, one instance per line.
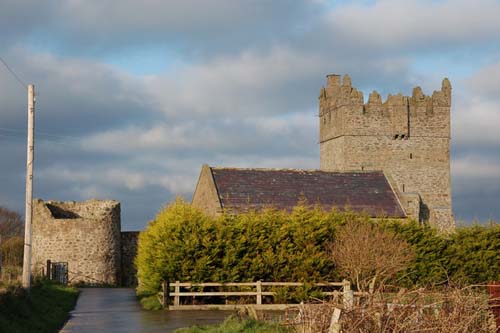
x=477 y=109
x=486 y=83
x=416 y=26
x=476 y=185
x=100 y=27
x=74 y=96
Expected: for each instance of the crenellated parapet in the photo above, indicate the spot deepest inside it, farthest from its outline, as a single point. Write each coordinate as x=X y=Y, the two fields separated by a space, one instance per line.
x=344 y=112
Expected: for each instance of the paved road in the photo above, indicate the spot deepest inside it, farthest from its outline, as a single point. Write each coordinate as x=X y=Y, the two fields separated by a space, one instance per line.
x=110 y=310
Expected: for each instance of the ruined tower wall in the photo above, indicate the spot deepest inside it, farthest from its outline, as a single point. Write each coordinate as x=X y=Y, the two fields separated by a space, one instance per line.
x=129 y=245
x=86 y=235
x=406 y=137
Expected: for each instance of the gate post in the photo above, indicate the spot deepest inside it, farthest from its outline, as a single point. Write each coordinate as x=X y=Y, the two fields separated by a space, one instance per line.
x=166 y=293
x=347 y=295
x=177 y=296
x=259 y=292
x=49 y=270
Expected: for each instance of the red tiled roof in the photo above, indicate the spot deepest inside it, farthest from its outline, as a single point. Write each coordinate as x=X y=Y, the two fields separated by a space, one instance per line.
x=243 y=189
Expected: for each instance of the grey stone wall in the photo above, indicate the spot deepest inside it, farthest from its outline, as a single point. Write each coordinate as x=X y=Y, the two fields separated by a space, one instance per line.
x=129 y=241
x=407 y=137
x=84 y=234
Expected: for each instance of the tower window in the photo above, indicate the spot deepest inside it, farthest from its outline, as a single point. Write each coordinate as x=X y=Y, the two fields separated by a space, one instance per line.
x=403 y=187
x=411 y=156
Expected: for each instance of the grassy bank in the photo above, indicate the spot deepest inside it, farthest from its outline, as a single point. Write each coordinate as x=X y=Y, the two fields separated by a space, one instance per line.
x=45 y=311
x=235 y=325
x=149 y=302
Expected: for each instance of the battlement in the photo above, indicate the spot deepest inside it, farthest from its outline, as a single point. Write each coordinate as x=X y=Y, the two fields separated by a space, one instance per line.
x=338 y=93
x=343 y=112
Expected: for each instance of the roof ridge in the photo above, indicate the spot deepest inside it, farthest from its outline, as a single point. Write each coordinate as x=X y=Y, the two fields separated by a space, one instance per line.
x=292 y=169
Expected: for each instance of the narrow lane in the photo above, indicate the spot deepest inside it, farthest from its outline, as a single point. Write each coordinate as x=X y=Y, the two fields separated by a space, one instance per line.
x=110 y=310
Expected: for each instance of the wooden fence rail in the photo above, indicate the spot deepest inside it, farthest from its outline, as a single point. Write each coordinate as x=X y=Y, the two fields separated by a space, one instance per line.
x=258 y=293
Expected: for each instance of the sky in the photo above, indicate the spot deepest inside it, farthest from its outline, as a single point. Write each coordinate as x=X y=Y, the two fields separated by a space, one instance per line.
x=134 y=96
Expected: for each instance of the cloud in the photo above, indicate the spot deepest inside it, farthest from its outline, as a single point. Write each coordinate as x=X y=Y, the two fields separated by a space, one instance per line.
x=195 y=28
x=486 y=82
x=476 y=186
x=477 y=108
x=415 y=26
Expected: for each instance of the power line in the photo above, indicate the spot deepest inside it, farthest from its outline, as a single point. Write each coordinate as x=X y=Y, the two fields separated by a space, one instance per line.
x=24 y=85
x=23 y=131
x=16 y=137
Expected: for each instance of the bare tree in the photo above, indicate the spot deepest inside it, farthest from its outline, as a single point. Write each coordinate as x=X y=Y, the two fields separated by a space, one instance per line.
x=369 y=255
x=448 y=310
x=11 y=224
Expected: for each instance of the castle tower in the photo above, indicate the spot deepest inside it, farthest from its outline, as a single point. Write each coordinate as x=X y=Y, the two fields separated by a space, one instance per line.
x=408 y=138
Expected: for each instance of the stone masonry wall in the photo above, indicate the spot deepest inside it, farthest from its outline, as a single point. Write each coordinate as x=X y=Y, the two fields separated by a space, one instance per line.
x=205 y=196
x=84 y=234
x=406 y=137
x=129 y=241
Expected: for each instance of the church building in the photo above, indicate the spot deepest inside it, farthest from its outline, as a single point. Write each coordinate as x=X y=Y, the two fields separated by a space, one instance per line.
x=384 y=158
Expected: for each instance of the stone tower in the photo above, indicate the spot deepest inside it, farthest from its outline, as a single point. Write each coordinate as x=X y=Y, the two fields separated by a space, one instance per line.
x=407 y=137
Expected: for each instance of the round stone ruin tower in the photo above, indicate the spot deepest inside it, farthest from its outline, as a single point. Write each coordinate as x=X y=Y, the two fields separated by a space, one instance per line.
x=86 y=235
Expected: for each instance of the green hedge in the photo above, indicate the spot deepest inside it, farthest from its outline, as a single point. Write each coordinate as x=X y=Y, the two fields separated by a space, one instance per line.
x=470 y=255
x=184 y=244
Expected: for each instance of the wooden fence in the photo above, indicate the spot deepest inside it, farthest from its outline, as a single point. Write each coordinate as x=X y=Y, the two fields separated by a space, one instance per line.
x=261 y=289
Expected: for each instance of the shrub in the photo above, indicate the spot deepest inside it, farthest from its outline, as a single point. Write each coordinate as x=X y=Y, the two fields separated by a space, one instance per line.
x=12 y=251
x=369 y=255
x=419 y=310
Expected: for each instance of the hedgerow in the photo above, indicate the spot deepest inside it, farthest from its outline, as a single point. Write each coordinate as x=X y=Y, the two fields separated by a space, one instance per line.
x=184 y=244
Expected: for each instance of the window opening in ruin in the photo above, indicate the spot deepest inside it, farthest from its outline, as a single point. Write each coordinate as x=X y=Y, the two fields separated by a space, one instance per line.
x=411 y=156
x=396 y=136
x=403 y=187
x=402 y=136
x=61 y=213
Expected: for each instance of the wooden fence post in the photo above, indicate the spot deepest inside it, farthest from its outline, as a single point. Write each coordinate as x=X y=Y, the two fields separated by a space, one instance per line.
x=334 y=322
x=177 y=297
x=347 y=295
x=259 y=292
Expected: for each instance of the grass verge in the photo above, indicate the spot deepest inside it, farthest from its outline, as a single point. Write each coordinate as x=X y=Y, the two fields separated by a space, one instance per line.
x=150 y=302
x=234 y=324
x=45 y=311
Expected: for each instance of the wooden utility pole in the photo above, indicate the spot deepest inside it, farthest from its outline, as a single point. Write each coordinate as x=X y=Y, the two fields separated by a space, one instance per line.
x=29 y=188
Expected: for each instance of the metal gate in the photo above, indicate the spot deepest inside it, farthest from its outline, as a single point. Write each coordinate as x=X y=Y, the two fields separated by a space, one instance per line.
x=57 y=271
